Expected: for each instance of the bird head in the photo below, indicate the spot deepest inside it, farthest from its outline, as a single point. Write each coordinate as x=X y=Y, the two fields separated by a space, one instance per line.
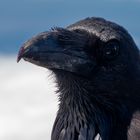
x=90 y=45
x=96 y=64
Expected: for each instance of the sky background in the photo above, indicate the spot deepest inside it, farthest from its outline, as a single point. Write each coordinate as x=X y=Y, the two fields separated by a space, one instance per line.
x=21 y=19
x=28 y=104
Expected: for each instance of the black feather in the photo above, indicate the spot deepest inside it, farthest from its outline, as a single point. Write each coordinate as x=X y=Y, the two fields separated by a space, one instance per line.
x=97 y=69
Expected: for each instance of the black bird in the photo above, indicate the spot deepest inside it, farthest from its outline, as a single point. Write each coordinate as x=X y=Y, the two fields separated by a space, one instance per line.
x=97 y=69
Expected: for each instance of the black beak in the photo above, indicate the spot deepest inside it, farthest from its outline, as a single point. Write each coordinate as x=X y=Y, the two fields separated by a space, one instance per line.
x=30 y=50
x=28 y=53
x=20 y=54
x=49 y=51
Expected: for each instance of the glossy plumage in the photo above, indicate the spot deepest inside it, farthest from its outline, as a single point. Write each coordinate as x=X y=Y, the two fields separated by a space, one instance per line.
x=97 y=69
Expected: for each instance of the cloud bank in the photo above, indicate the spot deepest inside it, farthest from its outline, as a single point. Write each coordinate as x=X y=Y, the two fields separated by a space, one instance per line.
x=28 y=104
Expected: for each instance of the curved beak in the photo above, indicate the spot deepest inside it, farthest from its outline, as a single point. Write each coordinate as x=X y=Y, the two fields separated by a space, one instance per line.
x=20 y=54
x=57 y=53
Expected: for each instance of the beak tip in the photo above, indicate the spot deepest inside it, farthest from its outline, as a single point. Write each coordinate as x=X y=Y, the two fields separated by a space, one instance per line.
x=18 y=59
x=20 y=54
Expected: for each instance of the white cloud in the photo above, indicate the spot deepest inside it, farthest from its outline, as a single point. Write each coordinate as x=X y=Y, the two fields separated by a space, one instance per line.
x=28 y=104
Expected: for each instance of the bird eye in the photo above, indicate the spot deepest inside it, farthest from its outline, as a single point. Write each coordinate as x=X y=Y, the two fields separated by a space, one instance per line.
x=111 y=49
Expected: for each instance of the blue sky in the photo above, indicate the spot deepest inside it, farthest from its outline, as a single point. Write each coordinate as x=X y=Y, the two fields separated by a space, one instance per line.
x=20 y=20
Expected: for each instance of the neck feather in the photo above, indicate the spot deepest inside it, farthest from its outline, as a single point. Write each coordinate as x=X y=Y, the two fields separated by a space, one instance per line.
x=81 y=110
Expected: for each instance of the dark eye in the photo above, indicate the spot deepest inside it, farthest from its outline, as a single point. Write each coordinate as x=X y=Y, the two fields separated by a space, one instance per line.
x=111 y=49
